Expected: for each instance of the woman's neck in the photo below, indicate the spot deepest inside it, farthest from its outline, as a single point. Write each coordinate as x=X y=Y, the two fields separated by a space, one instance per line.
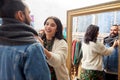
x=48 y=37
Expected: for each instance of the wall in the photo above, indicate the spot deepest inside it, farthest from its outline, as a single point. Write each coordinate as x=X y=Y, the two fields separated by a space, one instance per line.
x=41 y=9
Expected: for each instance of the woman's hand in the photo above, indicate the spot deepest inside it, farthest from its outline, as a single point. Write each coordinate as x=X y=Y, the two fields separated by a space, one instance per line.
x=41 y=32
x=116 y=42
x=47 y=53
x=39 y=39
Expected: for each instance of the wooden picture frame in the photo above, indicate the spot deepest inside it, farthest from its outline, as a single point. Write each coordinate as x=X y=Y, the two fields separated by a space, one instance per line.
x=96 y=9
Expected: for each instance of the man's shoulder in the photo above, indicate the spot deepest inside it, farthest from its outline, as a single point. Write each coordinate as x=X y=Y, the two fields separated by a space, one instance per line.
x=106 y=40
x=106 y=37
x=35 y=45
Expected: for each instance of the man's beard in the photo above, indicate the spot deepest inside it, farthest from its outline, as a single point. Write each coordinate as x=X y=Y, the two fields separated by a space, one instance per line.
x=26 y=21
x=113 y=35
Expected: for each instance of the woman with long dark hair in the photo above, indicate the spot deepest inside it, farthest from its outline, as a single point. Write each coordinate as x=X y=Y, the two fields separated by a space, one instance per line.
x=55 y=48
x=92 y=55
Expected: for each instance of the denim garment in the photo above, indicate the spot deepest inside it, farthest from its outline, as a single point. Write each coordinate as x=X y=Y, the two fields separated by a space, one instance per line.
x=25 y=62
x=111 y=62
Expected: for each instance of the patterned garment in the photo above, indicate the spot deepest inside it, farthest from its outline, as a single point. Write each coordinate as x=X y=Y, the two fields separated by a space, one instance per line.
x=91 y=75
x=48 y=45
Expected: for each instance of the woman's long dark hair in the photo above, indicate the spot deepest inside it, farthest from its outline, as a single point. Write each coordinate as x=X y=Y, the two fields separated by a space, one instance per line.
x=58 y=34
x=91 y=33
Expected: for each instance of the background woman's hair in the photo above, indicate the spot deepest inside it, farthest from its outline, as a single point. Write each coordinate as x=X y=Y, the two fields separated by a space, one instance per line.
x=91 y=33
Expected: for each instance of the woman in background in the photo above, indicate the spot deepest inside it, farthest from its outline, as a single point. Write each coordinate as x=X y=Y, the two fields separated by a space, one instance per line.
x=55 y=48
x=92 y=55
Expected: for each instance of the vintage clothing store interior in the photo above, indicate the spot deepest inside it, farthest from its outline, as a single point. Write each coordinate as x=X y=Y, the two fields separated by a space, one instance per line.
x=75 y=23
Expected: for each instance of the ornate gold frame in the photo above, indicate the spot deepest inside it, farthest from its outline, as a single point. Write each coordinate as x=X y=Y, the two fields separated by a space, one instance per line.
x=105 y=7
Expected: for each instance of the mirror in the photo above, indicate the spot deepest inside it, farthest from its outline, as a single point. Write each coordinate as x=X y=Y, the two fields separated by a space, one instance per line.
x=104 y=15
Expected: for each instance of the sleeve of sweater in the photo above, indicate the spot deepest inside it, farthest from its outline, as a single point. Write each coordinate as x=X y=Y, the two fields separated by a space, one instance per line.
x=59 y=53
x=101 y=49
